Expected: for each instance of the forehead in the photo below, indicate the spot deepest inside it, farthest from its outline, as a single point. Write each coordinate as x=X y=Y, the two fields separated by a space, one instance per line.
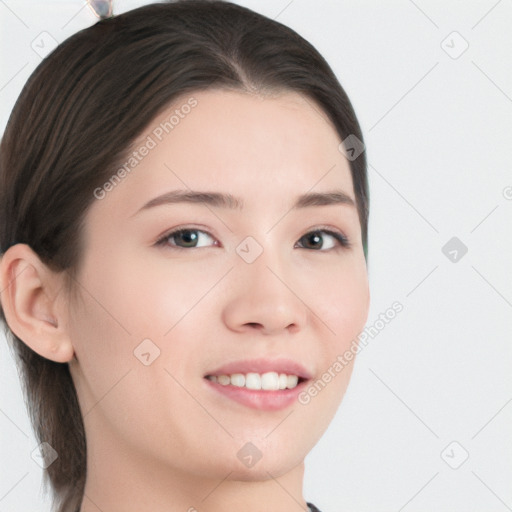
x=262 y=148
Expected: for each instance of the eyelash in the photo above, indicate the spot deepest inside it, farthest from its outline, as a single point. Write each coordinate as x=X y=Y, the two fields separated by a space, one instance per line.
x=343 y=241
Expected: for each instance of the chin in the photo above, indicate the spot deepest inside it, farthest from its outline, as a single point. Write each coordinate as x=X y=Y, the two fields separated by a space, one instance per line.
x=264 y=463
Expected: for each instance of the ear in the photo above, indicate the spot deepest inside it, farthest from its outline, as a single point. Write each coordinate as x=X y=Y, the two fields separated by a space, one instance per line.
x=33 y=303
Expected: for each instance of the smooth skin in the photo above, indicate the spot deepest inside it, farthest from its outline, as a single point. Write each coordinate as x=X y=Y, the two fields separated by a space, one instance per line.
x=158 y=437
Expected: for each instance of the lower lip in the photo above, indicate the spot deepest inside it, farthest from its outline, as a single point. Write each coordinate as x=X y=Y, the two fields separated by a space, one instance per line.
x=259 y=399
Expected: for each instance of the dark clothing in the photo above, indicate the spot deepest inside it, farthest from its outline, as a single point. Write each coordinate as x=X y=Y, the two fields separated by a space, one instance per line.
x=312 y=507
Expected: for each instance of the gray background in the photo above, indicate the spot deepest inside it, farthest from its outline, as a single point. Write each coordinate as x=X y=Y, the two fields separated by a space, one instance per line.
x=426 y=421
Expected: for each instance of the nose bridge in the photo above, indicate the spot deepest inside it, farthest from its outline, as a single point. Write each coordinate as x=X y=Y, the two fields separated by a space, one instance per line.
x=263 y=295
x=263 y=263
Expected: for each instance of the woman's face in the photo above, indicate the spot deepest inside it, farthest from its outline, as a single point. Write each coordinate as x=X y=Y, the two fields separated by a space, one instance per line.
x=246 y=289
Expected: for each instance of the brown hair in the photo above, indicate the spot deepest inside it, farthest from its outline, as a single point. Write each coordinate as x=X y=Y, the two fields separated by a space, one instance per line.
x=74 y=122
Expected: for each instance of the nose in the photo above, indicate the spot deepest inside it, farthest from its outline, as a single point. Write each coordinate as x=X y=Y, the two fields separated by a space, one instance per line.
x=266 y=297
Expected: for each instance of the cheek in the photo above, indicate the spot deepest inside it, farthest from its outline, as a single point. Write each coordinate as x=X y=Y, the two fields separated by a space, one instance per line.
x=101 y=337
x=341 y=312
x=341 y=302
x=137 y=299
x=161 y=291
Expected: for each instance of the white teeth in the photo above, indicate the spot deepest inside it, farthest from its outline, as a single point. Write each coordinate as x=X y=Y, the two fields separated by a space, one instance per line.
x=253 y=381
x=224 y=380
x=292 y=381
x=238 y=379
x=270 y=381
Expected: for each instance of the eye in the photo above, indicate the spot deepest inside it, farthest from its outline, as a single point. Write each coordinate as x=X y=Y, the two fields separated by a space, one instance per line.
x=315 y=240
x=189 y=237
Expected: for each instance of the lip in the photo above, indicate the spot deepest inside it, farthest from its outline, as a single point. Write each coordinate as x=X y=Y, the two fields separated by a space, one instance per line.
x=260 y=399
x=281 y=365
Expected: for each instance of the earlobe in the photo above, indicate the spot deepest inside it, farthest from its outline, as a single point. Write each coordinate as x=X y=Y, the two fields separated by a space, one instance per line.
x=32 y=303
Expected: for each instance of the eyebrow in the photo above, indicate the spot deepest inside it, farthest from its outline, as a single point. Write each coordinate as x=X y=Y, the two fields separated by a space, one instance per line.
x=221 y=200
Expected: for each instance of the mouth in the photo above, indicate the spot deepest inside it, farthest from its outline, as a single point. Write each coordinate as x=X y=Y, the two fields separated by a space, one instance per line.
x=259 y=384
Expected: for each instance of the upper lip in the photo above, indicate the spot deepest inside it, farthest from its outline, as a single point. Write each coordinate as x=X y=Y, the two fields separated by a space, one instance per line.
x=262 y=365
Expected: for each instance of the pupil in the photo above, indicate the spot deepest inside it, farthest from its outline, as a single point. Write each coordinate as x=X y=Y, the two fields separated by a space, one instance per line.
x=189 y=237
x=316 y=238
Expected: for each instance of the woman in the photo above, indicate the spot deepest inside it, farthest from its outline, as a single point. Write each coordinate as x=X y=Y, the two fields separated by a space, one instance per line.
x=184 y=210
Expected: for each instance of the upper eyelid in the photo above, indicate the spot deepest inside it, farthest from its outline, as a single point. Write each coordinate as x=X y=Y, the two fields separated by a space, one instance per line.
x=186 y=228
